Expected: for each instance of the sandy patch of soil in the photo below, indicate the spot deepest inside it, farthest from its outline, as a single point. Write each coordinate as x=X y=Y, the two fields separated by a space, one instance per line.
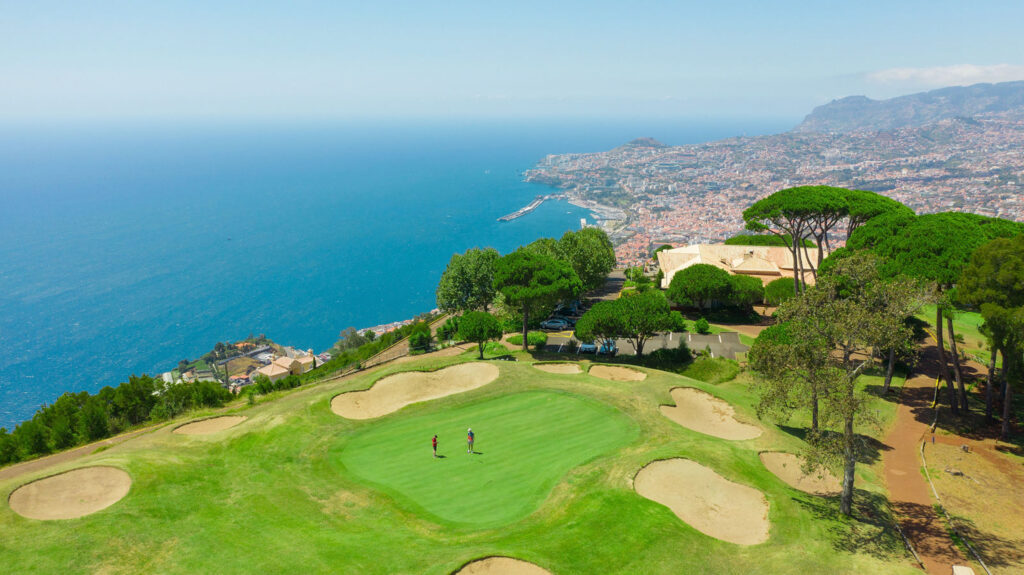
x=703 y=412
x=984 y=490
x=615 y=373
x=212 y=425
x=559 y=368
x=501 y=566
x=401 y=389
x=73 y=494
x=786 y=466
x=705 y=500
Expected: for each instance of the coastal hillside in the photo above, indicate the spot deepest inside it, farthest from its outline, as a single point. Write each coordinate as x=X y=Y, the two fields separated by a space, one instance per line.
x=862 y=113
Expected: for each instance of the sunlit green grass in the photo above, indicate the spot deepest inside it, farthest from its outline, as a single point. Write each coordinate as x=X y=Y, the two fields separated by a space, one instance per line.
x=276 y=494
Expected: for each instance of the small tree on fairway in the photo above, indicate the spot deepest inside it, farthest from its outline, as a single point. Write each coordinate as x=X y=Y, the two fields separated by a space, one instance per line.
x=479 y=327
x=847 y=314
x=532 y=282
x=699 y=285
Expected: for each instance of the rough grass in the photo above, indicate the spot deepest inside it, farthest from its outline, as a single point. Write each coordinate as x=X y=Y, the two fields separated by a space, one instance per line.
x=712 y=370
x=274 y=495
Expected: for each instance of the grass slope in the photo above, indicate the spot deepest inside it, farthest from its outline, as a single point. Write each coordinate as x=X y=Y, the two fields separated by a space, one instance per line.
x=525 y=443
x=273 y=495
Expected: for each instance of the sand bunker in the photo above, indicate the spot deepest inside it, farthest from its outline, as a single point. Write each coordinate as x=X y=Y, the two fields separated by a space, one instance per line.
x=212 y=425
x=559 y=368
x=501 y=566
x=617 y=373
x=72 y=494
x=703 y=412
x=786 y=467
x=401 y=389
x=707 y=501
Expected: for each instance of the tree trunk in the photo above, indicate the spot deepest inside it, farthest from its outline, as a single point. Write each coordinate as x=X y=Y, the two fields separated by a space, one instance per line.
x=526 y=317
x=956 y=365
x=889 y=369
x=807 y=256
x=990 y=381
x=1009 y=370
x=943 y=366
x=849 y=466
x=814 y=408
x=796 y=266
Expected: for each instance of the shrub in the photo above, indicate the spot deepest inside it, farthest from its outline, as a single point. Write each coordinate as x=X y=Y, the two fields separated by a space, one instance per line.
x=779 y=291
x=535 y=339
x=699 y=285
x=702 y=326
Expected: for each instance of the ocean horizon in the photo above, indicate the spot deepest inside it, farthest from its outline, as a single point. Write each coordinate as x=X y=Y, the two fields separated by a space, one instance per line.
x=125 y=249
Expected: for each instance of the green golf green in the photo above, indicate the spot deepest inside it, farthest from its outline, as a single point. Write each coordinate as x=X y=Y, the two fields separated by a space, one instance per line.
x=525 y=443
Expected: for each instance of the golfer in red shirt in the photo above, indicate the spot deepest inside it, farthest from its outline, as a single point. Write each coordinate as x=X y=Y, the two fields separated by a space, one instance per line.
x=434 y=441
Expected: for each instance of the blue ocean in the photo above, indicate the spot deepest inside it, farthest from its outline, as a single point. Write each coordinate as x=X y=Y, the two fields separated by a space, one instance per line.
x=124 y=249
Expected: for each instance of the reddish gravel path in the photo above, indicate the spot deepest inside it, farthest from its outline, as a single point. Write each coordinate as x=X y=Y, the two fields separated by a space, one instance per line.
x=908 y=490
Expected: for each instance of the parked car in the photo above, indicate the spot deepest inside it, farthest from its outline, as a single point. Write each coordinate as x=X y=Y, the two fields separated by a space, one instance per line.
x=570 y=320
x=608 y=348
x=587 y=348
x=556 y=324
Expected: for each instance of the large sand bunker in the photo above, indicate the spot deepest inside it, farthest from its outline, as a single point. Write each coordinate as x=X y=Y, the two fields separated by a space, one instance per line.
x=559 y=368
x=72 y=494
x=786 y=467
x=501 y=566
x=617 y=373
x=401 y=389
x=707 y=501
x=212 y=425
x=703 y=412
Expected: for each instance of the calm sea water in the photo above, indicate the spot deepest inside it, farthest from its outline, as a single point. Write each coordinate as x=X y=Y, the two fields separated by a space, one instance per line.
x=125 y=249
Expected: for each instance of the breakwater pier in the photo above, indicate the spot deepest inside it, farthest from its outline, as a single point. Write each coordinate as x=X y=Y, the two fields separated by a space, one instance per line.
x=525 y=209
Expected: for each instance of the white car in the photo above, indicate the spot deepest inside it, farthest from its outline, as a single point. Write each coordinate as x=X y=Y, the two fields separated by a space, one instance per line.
x=555 y=324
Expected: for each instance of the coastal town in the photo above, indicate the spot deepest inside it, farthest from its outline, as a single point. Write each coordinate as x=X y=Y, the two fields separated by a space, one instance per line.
x=645 y=194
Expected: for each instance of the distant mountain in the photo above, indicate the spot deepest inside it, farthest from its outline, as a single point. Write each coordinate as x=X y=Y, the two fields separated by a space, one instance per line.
x=862 y=113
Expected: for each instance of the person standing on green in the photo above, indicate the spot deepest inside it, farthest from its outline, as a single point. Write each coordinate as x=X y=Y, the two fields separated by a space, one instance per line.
x=434 y=442
x=469 y=439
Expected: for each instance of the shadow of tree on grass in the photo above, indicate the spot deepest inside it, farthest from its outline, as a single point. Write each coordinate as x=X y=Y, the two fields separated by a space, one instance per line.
x=870 y=530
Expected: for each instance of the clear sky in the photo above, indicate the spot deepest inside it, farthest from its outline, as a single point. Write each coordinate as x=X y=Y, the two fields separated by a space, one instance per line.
x=311 y=59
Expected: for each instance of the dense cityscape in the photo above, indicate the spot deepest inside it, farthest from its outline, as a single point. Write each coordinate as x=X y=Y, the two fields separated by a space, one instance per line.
x=647 y=194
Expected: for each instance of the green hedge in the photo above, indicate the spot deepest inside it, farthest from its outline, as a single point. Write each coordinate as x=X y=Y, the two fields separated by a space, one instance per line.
x=535 y=339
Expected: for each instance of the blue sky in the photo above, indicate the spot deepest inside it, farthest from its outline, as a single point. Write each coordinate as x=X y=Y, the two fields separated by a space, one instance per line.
x=306 y=59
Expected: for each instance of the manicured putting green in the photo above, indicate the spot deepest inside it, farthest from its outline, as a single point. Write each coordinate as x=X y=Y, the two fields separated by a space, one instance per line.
x=525 y=443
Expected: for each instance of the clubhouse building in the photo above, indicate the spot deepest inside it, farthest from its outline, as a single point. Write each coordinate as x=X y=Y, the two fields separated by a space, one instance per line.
x=762 y=262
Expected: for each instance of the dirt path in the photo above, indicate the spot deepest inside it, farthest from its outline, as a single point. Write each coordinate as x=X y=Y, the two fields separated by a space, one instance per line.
x=909 y=492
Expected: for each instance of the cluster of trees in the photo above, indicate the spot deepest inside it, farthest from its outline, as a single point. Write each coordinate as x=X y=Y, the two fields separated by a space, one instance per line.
x=79 y=418
x=634 y=317
x=827 y=336
x=940 y=249
x=805 y=214
x=523 y=286
x=702 y=285
x=860 y=309
x=765 y=240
